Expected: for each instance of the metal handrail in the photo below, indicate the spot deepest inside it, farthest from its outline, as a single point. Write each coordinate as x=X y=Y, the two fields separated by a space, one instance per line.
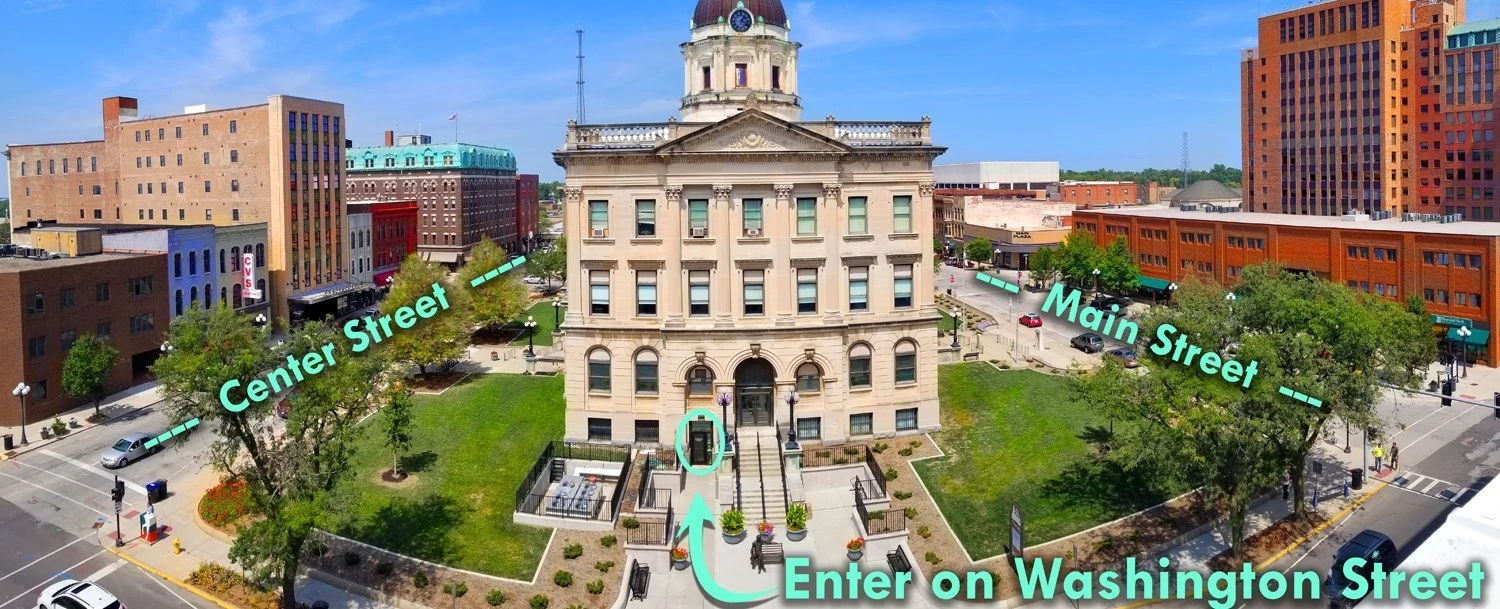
x=761 y=475
x=786 y=493
x=739 y=501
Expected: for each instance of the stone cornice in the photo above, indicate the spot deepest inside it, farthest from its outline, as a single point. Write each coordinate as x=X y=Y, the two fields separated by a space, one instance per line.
x=753 y=264
x=647 y=265
x=700 y=265
x=808 y=263
x=903 y=258
x=859 y=260
x=600 y=265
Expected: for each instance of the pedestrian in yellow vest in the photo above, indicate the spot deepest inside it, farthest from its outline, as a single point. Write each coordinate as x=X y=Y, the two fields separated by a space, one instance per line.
x=1378 y=452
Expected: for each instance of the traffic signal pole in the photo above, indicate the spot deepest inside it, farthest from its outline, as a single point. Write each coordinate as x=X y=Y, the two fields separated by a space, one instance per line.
x=118 y=495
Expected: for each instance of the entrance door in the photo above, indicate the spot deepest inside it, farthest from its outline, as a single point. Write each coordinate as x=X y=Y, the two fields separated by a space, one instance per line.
x=755 y=392
x=700 y=434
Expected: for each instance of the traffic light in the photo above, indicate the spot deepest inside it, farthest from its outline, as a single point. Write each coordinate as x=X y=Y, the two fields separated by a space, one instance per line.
x=117 y=494
x=1447 y=391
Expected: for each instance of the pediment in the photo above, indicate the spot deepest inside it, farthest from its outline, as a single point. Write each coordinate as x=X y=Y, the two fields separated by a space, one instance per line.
x=752 y=131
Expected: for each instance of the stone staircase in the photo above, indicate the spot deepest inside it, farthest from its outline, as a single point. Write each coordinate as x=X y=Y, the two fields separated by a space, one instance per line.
x=760 y=474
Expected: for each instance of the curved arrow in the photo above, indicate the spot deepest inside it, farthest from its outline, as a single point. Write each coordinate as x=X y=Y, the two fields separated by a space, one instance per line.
x=692 y=524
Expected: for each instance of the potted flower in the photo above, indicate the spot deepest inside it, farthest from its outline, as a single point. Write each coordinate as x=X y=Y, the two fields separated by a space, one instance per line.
x=732 y=526
x=679 y=558
x=765 y=531
x=856 y=548
x=59 y=427
x=796 y=522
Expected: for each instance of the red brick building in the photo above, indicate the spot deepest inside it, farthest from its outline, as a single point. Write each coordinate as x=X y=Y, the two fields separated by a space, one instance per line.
x=527 y=209
x=393 y=227
x=1450 y=266
x=50 y=303
x=1100 y=193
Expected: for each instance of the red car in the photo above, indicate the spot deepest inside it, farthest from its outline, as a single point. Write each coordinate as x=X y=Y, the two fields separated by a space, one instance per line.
x=1031 y=320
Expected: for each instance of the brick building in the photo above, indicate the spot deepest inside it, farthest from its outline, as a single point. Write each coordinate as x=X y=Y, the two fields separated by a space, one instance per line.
x=1450 y=266
x=220 y=167
x=527 y=211
x=465 y=193
x=52 y=302
x=393 y=226
x=1099 y=193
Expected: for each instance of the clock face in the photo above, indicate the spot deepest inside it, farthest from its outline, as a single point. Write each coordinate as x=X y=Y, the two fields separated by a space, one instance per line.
x=740 y=20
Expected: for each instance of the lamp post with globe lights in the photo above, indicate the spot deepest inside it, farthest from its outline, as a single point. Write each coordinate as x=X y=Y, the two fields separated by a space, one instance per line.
x=725 y=400
x=956 y=314
x=557 y=305
x=791 y=432
x=530 y=333
x=1463 y=334
x=21 y=391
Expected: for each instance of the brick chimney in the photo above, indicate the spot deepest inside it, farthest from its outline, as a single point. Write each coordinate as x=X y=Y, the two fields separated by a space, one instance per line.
x=390 y=138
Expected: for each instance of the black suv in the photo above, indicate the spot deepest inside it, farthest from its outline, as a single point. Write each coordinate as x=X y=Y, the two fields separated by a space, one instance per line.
x=1104 y=301
x=1375 y=548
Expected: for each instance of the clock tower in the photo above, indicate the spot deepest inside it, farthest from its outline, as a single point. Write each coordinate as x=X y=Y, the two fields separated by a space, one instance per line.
x=740 y=55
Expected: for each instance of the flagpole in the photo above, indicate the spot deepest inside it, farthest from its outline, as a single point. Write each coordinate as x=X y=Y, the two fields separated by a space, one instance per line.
x=455 y=128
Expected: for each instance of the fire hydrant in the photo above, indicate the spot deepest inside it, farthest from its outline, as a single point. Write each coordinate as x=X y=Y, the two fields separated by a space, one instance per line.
x=176 y=546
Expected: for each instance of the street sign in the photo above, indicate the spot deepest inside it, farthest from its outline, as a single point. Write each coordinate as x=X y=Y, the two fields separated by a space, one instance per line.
x=1017 y=550
x=1444 y=320
x=951 y=279
x=248 y=266
x=118 y=507
x=252 y=294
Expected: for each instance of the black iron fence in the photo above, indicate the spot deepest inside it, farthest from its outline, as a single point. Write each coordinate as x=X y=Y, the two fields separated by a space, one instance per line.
x=653 y=499
x=829 y=456
x=650 y=533
x=563 y=505
x=532 y=498
x=875 y=471
x=871 y=490
x=623 y=481
x=878 y=522
x=538 y=469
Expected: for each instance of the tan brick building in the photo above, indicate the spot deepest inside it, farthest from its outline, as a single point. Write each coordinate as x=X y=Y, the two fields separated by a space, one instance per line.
x=279 y=163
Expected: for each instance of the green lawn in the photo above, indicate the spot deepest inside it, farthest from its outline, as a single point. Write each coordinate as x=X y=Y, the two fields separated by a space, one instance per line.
x=1019 y=437
x=471 y=448
x=544 y=315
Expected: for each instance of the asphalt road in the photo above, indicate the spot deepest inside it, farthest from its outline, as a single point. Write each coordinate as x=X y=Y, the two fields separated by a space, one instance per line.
x=53 y=500
x=1008 y=308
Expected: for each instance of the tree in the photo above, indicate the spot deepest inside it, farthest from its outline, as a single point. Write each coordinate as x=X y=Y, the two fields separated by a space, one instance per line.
x=1044 y=266
x=396 y=425
x=4 y=233
x=1118 y=272
x=543 y=223
x=550 y=265
x=290 y=472
x=444 y=337
x=979 y=250
x=1077 y=257
x=500 y=300
x=86 y=369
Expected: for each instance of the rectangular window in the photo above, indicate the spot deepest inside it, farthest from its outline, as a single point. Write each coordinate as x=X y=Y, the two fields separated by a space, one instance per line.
x=752 y=216
x=599 y=292
x=599 y=430
x=1475 y=262
x=807 y=216
x=205 y=158
x=698 y=293
x=598 y=219
x=906 y=363
x=140 y=286
x=902 y=286
x=859 y=288
x=69 y=299
x=208 y=186
x=36 y=305
x=807 y=291
x=36 y=347
x=1442 y=258
x=741 y=75
x=902 y=206
x=810 y=428
x=205 y=128
x=1429 y=258
x=645 y=293
x=101 y=292
x=647 y=432
x=708 y=80
x=861 y=424
x=858 y=216
x=234 y=156
x=142 y=323
x=906 y=419
x=645 y=218
x=775 y=78
x=234 y=127
x=177 y=131
x=755 y=292
x=102 y=331
x=698 y=218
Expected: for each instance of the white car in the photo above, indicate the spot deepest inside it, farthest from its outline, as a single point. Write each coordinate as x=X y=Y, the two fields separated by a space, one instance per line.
x=532 y=280
x=73 y=594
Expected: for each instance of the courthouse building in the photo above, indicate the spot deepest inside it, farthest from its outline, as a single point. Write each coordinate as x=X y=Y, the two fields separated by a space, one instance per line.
x=744 y=251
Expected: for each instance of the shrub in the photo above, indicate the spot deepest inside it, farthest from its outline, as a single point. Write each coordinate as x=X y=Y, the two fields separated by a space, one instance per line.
x=1005 y=366
x=916 y=444
x=384 y=569
x=419 y=580
x=604 y=565
x=457 y=590
x=217 y=578
x=880 y=447
x=851 y=451
x=540 y=602
x=576 y=606
x=495 y=598
x=902 y=495
x=840 y=460
x=877 y=514
x=351 y=558
x=1104 y=544
x=573 y=551
x=890 y=474
x=924 y=532
x=629 y=523
x=609 y=541
x=911 y=513
x=932 y=557
x=225 y=503
x=822 y=453
x=1134 y=535
x=732 y=522
x=796 y=517
x=905 y=452
x=562 y=579
x=596 y=587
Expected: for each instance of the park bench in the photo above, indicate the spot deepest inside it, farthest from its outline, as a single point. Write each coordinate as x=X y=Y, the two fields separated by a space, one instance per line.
x=897 y=559
x=763 y=553
x=640 y=579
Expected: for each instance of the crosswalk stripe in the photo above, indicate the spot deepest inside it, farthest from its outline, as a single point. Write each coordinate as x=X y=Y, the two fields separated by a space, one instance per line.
x=138 y=489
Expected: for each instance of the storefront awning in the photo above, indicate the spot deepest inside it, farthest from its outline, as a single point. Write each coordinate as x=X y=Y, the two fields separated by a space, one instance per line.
x=1025 y=248
x=1152 y=283
x=327 y=292
x=443 y=257
x=1476 y=337
x=384 y=278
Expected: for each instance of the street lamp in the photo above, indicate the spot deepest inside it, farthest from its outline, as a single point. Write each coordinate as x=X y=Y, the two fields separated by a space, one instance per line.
x=1463 y=334
x=724 y=400
x=21 y=391
x=260 y=319
x=557 y=305
x=956 y=314
x=1096 y=280
x=791 y=406
x=530 y=332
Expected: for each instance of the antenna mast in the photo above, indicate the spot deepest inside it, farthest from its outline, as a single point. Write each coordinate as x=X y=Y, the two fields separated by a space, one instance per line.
x=1185 y=165
x=581 y=114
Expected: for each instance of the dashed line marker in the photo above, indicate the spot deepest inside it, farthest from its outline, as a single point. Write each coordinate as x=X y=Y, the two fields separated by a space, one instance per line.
x=1012 y=288
x=1301 y=397
x=170 y=434
x=478 y=281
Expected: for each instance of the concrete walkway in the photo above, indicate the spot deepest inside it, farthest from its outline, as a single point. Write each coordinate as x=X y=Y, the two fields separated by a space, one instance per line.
x=115 y=406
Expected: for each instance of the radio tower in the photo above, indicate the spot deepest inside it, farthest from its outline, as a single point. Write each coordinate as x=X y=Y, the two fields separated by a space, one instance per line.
x=581 y=114
x=1185 y=165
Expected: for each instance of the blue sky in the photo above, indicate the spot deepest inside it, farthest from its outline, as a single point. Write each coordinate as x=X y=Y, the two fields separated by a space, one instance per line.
x=1089 y=83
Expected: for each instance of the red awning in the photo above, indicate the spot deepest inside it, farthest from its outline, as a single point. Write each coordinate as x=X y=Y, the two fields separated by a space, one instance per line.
x=383 y=279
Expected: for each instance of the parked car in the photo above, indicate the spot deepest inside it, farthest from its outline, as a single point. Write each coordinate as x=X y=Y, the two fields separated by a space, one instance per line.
x=1375 y=548
x=1088 y=342
x=1103 y=302
x=1031 y=320
x=284 y=408
x=533 y=280
x=73 y=594
x=1124 y=355
x=132 y=447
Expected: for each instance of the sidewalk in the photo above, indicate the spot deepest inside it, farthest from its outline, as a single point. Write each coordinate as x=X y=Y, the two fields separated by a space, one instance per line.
x=119 y=405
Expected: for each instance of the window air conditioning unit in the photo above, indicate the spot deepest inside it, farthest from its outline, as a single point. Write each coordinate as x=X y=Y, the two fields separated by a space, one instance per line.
x=698 y=233
x=600 y=233
x=752 y=232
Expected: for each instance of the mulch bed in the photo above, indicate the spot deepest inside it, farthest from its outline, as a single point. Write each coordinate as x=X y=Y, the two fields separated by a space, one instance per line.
x=1261 y=546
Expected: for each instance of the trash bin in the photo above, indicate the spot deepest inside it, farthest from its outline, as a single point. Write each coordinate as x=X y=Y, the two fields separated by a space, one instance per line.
x=8 y=442
x=1356 y=478
x=156 y=491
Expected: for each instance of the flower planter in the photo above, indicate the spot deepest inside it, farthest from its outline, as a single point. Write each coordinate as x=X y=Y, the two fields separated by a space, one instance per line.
x=796 y=535
x=736 y=538
x=766 y=537
x=856 y=554
x=680 y=565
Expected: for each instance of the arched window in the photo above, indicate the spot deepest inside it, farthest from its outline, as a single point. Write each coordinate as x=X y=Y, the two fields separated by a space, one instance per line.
x=222 y=267
x=809 y=378
x=239 y=300
x=700 y=381
x=906 y=362
x=208 y=263
x=192 y=263
x=178 y=308
x=260 y=255
x=599 y=370
x=208 y=294
x=646 y=372
x=859 y=365
x=177 y=264
x=224 y=295
x=194 y=296
x=234 y=258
